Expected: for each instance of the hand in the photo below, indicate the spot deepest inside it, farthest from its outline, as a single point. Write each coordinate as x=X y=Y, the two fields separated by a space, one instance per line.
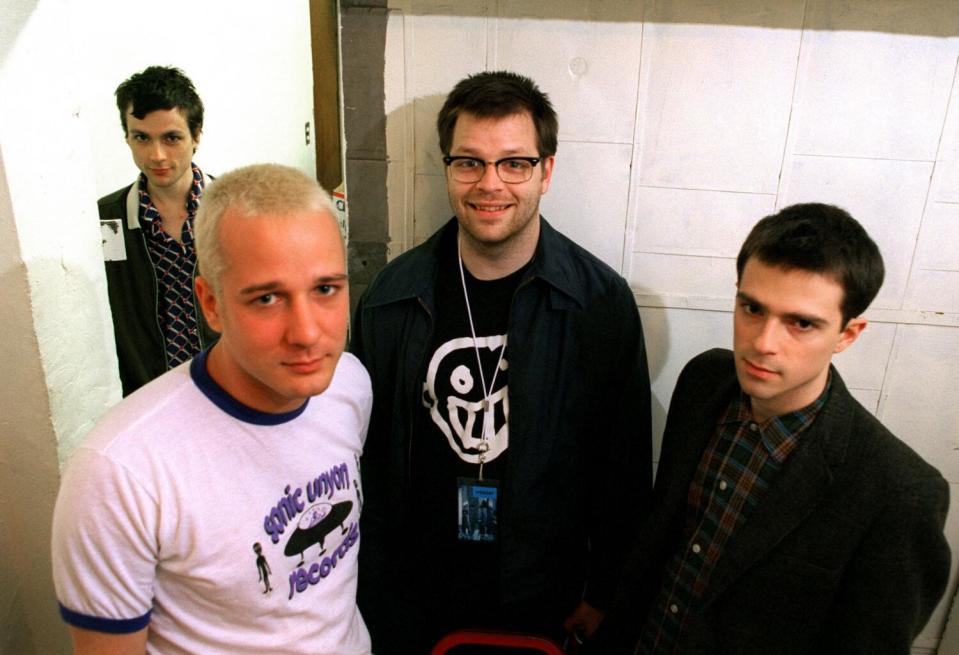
x=584 y=621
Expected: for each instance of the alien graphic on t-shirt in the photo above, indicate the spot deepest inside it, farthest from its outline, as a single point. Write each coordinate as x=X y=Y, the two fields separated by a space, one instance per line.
x=262 y=567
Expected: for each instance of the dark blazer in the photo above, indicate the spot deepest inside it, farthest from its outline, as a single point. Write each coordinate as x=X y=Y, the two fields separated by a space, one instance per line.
x=845 y=554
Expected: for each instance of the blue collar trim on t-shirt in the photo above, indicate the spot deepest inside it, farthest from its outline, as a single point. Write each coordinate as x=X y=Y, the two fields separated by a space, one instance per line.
x=229 y=404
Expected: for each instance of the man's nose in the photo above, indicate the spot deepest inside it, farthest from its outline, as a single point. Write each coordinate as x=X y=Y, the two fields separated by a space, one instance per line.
x=490 y=179
x=303 y=329
x=767 y=339
x=157 y=151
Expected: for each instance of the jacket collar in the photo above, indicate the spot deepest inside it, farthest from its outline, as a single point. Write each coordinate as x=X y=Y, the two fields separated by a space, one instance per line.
x=413 y=274
x=829 y=432
x=133 y=202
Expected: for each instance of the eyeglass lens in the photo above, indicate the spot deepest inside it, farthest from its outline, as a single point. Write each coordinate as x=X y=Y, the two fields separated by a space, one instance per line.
x=510 y=171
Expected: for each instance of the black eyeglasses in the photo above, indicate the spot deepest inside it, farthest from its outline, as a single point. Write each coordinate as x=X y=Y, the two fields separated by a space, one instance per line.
x=511 y=170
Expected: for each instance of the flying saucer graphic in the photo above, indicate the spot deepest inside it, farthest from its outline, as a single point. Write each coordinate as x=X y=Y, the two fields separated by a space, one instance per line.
x=313 y=527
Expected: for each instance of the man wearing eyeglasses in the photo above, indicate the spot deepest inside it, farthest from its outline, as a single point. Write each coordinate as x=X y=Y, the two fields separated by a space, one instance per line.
x=509 y=448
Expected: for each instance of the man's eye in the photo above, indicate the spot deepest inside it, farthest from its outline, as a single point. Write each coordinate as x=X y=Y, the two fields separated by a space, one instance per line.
x=265 y=299
x=803 y=324
x=140 y=138
x=327 y=289
x=173 y=138
x=750 y=308
x=467 y=164
x=516 y=164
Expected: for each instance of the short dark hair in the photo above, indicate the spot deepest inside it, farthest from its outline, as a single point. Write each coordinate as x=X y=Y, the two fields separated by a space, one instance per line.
x=160 y=87
x=498 y=94
x=820 y=239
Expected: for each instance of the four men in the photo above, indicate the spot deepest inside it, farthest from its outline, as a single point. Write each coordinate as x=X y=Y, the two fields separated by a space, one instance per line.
x=509 y=446
x=508 y=466
x=147 y=228
x=216 y=511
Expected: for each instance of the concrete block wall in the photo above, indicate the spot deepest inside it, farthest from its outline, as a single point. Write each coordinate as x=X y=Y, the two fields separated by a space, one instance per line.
x=682 y=123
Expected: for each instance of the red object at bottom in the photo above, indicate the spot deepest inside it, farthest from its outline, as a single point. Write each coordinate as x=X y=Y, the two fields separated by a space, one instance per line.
x=495 y=639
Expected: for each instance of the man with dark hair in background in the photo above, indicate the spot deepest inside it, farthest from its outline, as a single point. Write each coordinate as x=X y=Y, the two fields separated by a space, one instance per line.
x=509 y=449
x=147 y=228
x=786 y=519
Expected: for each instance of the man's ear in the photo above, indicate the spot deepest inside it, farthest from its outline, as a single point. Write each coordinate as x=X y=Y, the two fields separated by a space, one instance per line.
x=547 y=173
x=208 y=303
x=850 y=333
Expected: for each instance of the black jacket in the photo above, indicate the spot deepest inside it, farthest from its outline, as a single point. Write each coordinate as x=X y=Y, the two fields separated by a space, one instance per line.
x=132 y=288
x=579 y=466
x=845 y=553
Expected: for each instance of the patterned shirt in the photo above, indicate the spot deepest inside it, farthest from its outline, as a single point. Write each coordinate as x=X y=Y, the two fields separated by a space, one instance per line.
x=174 y=263
x=735 y=472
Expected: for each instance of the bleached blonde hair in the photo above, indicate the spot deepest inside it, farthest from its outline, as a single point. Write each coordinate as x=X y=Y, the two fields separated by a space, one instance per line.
x=260 y=189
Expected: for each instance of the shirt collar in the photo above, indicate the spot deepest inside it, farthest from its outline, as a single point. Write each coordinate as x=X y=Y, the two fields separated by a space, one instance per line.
x=779 y=433
x=226 y=402
x=192 y=199
x=413 y=273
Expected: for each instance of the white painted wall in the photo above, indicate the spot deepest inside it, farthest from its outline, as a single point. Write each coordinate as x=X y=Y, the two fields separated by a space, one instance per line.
x=61 y=147
x=683 y=123
x=250 y=63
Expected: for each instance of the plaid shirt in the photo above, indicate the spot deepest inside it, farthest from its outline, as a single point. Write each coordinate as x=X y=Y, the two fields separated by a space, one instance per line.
x=174 y=263
x=737 y=468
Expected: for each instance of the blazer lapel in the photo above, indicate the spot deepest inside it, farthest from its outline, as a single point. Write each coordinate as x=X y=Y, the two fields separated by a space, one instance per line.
x=793 y=496
x=695 y=420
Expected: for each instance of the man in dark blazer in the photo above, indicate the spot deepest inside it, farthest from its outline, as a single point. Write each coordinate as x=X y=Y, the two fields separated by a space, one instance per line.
x=786 y=518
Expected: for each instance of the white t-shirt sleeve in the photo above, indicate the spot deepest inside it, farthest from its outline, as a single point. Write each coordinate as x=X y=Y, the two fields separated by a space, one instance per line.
x=104 y=546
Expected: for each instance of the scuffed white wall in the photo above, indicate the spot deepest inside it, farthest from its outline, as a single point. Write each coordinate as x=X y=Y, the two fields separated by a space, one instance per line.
x=28 y=464
x=54 y=334
x=682 y=123
x=61 y=147
x=28 y=461
x=49 y=171
x=250 y=62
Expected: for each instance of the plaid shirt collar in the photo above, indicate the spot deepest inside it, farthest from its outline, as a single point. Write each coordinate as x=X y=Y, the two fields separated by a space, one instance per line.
x=779 y=432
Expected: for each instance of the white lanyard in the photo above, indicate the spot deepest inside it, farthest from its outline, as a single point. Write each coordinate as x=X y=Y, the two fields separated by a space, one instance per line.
x=488 y=418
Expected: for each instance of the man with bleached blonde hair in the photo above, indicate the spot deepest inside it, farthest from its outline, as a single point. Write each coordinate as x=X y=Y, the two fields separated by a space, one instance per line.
x=237 y=466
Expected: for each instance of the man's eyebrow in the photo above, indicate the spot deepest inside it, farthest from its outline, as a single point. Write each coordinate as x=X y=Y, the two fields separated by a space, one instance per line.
x=260 y=288
x=466 y=151
x=273 y=285
x=326 y=279
x=790 y=316
x=815 y=320
x=747 y=298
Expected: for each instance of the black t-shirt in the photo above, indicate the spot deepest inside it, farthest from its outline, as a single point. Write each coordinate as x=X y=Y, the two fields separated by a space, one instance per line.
x=451 y=427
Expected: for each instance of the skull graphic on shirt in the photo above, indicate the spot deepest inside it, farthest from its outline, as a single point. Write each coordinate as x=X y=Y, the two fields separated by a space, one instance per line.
x=457 y=401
